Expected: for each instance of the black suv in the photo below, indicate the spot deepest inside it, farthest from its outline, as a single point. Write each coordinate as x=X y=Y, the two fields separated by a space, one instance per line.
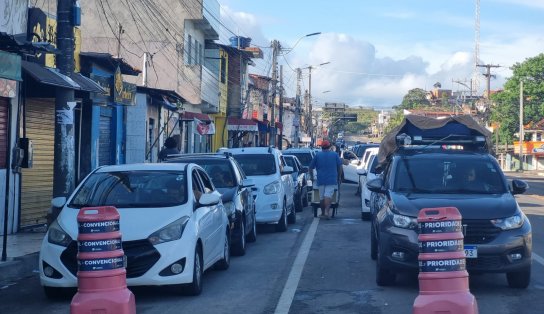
x=236 y=190
x=456 y=172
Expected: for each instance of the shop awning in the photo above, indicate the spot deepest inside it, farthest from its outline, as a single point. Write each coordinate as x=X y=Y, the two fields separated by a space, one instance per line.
x=86 y=84
x=164 y=97
x=238 y=124
x=263 y=126
x=192 y=115
x=49 y=76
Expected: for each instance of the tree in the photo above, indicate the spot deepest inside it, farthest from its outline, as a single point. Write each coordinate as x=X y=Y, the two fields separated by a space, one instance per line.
x=355 y=127
x=415 y=98
x=506 y=103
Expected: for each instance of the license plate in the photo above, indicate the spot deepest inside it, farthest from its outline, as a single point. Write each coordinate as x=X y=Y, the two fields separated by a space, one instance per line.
x=471 y=251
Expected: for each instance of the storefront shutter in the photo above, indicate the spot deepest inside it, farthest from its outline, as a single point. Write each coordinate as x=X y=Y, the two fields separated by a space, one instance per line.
x=105 y=140
x=4 y=103
x=37 y=182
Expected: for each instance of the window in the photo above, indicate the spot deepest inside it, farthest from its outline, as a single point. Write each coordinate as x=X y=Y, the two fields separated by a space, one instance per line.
x=223 y=66
x=257 y=164
x=189 y=49
x=132 y=189
x=195 y=55
x=208 y=186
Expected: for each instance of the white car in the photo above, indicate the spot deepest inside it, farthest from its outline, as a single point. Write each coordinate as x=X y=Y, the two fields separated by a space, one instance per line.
x=172 y=221
x=367 y=174
x=274 y=186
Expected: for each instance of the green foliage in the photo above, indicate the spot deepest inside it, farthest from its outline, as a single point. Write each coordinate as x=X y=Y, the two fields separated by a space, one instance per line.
x=506 y=103
x=415 y=98
x=355 y=127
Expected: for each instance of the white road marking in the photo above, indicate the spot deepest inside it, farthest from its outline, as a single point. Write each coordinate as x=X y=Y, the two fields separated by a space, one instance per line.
x=537 y=258
x=291 y=285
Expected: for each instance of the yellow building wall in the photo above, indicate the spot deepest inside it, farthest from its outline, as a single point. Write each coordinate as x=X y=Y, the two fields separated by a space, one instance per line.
x=221 y=136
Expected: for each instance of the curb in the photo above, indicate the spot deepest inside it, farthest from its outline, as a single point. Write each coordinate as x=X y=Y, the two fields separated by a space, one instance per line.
x=18 y=268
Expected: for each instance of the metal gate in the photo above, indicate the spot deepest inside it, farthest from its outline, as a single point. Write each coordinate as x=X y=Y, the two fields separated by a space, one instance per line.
x=104 y=140
x=37 y=182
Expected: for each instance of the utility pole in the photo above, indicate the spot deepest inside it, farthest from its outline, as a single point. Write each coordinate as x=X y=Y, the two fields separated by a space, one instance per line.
x=488 y=75
x=275 y=51
x=520 y=126
x=145 y=74
x=297 y=110
x=280 y=145
x=64 y=150
x=310 y=122
x=120 y=31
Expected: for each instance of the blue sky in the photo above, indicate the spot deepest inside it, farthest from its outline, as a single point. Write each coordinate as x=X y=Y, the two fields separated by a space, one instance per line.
x=378 y=50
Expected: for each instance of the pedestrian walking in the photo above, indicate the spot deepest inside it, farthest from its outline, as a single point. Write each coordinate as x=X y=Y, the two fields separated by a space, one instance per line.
x=170 y=148
x=329 y=171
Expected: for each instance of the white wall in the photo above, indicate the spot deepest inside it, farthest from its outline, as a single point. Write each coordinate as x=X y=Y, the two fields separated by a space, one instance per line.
x=136 y=130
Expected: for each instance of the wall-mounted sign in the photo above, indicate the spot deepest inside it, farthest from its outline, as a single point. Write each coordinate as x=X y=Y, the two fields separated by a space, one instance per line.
x=7 y=88
x=10 y=66
x=106 y=83
x=123 y=93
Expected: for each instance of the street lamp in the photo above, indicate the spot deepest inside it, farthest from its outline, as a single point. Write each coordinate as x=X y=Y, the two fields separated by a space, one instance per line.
x=310 y=127
x=307 y=35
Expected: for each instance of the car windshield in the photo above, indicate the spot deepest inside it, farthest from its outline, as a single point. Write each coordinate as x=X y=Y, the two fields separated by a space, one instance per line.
x=136 y=189
x=257 y=164
x=448 y=175
x=360 y=151
x=304 y=158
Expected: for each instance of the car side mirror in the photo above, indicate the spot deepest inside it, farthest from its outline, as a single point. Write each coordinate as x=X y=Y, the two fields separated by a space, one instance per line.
x=209 y=199
x=58 y=202
x=304 y=169
x=376 y=185
x=519 y=186
x=287 y=170
x=247 y=183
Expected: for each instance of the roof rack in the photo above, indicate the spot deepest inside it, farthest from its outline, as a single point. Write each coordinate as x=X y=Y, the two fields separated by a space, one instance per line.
x=476 y=141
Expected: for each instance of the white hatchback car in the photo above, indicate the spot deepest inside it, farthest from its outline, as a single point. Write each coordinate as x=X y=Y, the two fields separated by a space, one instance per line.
x=274 y=186
x=367 y=174
x=172 y=221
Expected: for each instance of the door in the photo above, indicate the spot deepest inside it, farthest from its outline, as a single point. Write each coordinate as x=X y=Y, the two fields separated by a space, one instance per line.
x=37 y=182
x=350 y=162
x=105 y=138
x=203 y=217
x=217 y=232
x=288 y=184
x=4 y=124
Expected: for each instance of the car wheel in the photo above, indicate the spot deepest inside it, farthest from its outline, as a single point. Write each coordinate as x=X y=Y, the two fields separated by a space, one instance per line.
x=252 y=236
x=365 y=216
x=373 y=243
x=57 y=293
x=282 y=223
x=299 y=204
x=519 y=279
x=384 y=277
x=292 y=218
x=239 y=247
x=224 y=263
x=315 y=211
x=195 y=287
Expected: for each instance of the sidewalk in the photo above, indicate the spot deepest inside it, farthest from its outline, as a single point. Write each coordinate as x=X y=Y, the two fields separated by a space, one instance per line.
x=22 y=255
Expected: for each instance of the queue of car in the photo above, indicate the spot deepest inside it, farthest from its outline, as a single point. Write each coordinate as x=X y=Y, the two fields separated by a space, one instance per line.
x=178 y=218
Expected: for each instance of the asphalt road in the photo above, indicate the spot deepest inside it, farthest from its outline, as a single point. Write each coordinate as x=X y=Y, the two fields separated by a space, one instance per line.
x=315 y=267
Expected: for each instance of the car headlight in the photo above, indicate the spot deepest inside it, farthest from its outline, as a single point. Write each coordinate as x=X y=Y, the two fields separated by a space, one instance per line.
x=272 y=188
x=509 y=223
x=402 y=221
x=169 y=233
x=229 y=208
x=56 y=235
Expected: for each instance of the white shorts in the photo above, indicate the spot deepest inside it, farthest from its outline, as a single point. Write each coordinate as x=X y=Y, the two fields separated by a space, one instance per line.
x=327 y=191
